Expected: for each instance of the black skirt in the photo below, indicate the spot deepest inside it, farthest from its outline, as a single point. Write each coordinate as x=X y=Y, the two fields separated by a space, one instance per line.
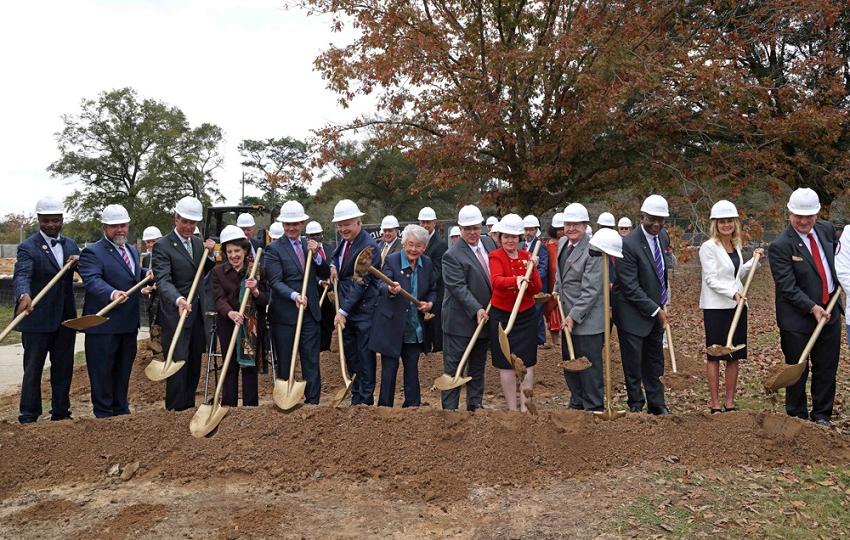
x=523 y=337
x=717 y=323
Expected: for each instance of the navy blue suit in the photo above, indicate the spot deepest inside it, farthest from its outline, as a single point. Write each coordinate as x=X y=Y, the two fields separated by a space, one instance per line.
x=42 y=332
x=286 y=276
x=389 y=323
x=111 y=346
x=357 y=300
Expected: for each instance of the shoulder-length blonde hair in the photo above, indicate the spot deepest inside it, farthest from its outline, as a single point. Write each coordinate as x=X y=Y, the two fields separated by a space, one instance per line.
x=736 y=236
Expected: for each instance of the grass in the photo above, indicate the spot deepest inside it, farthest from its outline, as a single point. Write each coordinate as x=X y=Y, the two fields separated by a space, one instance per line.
x=7 y=313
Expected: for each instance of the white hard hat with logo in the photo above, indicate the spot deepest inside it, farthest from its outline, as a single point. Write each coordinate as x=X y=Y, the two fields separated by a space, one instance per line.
x=313 y=228
x=114 y=214
x=190 y=208
x=606 y=219
x=531 y=222
x=292 y=212
x=558 y=220
x=230 y=233
x=49 y=206
x=624 y=222
x=608 y=241
x=427 y=214
x=470 y=215
x=655 y=205
x=804 y=202
x=576 y=213
x=512 y=224
x=151 y=233
x=492 y=220
x=276 y=230
x=723 y=209
x=455 y=231
x=389 y=222
x=245 y=220
x=346 y=209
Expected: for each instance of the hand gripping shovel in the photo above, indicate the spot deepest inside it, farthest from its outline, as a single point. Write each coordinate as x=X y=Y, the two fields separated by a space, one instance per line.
x=340 y=394
x=158 y=370
x=208 y=417
x=90 y=321
x=792 y=373
x=446 y=381
x=609 y=413
x=363 y=265
x=573 y=364
x=729 y=348
x=287 y=394
x=44 y=290
x=504 y=344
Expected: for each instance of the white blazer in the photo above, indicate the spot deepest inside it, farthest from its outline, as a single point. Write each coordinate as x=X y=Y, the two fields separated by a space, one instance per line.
x=719 y=281
x=842 y=259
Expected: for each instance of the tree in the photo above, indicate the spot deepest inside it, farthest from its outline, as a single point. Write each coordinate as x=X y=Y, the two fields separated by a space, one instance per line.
x=278 y=168
x=14 y=227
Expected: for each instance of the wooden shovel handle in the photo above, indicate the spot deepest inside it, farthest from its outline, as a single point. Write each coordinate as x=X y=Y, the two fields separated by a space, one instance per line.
x=471 y=344
x=189 y=300
x=383 y=277
x=44 y=290
x=529 y=266
x=740 y=307
x=819 y=327
x=324 y=295
x=133 y=290
x=300 y=320
x=567 y=333
x=339 y=340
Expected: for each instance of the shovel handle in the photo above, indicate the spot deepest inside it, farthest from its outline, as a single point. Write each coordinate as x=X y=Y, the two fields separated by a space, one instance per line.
x=529 y=266
x=471 y=344
x=133 y=290
x=189 y=300
x=44 y=290
x=669 y=333
x=300 y=321
x=383 y=277
x=324 y=295
x=819 y=327
x=740 y=307
x=567 y=333
x=346 y=379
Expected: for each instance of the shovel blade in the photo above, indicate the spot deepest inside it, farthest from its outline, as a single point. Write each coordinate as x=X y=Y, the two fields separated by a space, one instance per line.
x=447 y=382
x=788 y=376
x=577 y=364
x=504 y=344
x=519 y=366
x=287 y=396
x=206 y=419
x=609 y=414
x=85 y=322
x=157 y=370
x=719 y=350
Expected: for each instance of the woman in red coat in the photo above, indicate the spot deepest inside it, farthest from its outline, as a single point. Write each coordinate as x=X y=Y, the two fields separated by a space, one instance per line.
x=507 y=272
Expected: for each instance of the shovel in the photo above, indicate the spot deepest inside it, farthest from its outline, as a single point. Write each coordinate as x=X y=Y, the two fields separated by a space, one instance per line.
x=573 y=364
x=158 y=370
x=792 y=373
x=504 y=344
x=324 y=295
x=363 y=264
x=729 y=348
x=287 y=394
x=446 y=381
x=340 y=394
x=208 y=417
x=90 y=321
x=44 y=290
x=609 y=413
x=669 y=333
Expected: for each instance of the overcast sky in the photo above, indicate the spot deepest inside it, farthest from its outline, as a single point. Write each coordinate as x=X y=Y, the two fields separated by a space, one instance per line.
x=245 y=65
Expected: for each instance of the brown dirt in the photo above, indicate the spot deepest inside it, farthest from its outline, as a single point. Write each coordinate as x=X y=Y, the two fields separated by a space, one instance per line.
x=7 y=266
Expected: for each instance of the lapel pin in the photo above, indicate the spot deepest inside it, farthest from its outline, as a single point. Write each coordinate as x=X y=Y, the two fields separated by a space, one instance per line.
x=44 y=247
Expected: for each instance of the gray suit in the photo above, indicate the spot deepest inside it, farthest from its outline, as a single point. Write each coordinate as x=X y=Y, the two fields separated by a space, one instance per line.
x=467 y=289
x=578 y=281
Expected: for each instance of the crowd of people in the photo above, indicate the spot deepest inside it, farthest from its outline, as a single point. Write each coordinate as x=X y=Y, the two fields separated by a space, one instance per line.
x=496 y=273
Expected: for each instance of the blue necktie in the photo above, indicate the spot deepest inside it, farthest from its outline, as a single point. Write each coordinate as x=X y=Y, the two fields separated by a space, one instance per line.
x=659 y=271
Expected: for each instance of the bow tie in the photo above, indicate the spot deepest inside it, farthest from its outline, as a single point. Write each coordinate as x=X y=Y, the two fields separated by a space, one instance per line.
x=54 y=241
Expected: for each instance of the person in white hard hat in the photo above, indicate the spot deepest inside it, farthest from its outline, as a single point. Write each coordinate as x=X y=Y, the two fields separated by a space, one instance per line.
x=39 y=258
x=275 y=230
x=491 y=221
x=389 y=242
x=109 y=267
x=640 y=297
x=245 y=221
x=624 y=226
x=803 y=264
x=551 y=316
x=356 y=299
x=579 y=285
x=176 y=257
x=606 y=219
x=495 y=235
x=454 y=235
x=532 y=235
x=314 y=231
x=149 y=237
x=723 y=269
x=285 y=265
x=466 y=272
x=435 y=250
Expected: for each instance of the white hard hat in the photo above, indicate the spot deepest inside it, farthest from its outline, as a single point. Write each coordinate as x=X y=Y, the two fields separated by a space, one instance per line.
x=190 y=208
x=151 y=233
x=389 y=222
x=530 y=221
x=576 y=213
x=197 y=231
x=558 y=220
x=427 y=214
x=346 y=209
x=512 y=224
x=606 y=219
x=471 y=215
x=114 y=214
x=455 y=231
x=608 y=241
x=313 y=228
x=245 y=220
x=276 y=230
x=624 y=222
x=292 y=212
x=804 y=202
x=723 y=209
x=655 y=205
x=49 y=206
x=231 y=232
x=492 y=220
x=588 y=231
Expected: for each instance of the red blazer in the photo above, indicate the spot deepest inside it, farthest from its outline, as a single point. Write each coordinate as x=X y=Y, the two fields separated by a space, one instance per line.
x=503 y=273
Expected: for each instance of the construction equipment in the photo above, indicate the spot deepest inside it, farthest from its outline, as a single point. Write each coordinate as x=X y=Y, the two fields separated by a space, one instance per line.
x=446 y=381
x=288 y=393
x=90 y=321
x=363 y=265
x=218 y=217
x=573 y=364
x=44 y=290
x=729 y=348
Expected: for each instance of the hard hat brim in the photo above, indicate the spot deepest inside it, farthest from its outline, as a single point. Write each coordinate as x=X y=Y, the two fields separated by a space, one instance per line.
x=803 y=212
x=346 y=217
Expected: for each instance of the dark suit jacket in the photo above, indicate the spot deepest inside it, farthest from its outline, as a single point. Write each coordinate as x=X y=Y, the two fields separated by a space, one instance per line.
x=285 y=276
x=174 y=271
x=798 y=285
x=34 y=267
x=391 y=312
x=395 y=248
x=638 y=291
x=435 y=250
x=225 y=294
x=357 y=299
x=542 y=264
x=468 y=288
x=104 y=271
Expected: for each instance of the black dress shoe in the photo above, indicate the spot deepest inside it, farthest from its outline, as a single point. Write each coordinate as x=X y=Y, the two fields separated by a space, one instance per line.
x=714 y=411
x=823 y=422
x=635 y=409
x=660 y=411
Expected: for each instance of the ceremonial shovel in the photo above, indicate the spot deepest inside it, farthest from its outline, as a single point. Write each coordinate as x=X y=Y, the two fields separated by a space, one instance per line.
x=208 y=417
x=158 y=370
x=446 y=381
x=363 y=264
x=504 y=344
x=573 y=364
x=729 y=348
x=669 y=333
x=340 y=394
x=609 y=413
x=324 y=294
x=287 y=394
x=90 y=321
x=792 y=372
x=44 y=290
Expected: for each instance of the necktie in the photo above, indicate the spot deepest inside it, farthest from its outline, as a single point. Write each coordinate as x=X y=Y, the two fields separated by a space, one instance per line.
x=54 y=241
x=188 y=244
x=824 y=286
x=484 y=265
x=659 y=271
x=123 y=251
x=345 y=254
x=300 y=252
x=384 y=253
x=322 y=252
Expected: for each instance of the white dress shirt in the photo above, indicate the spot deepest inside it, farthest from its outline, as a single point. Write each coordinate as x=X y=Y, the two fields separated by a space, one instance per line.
x=58 y=252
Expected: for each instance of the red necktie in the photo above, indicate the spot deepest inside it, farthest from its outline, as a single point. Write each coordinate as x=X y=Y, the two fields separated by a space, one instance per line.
x=345 y=254
x=322 y=252
x=824 y=289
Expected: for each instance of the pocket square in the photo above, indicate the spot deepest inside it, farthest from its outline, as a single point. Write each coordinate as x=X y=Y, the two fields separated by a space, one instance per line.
x=796 y=258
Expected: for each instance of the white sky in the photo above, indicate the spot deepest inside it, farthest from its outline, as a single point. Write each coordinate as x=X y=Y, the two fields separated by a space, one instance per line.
x=245 y=65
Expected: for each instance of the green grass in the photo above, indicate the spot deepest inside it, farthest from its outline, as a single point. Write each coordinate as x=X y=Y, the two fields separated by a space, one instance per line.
x=7 y=313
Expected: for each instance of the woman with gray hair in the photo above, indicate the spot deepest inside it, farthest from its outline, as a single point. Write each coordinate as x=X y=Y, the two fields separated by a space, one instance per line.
x=398 y=325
